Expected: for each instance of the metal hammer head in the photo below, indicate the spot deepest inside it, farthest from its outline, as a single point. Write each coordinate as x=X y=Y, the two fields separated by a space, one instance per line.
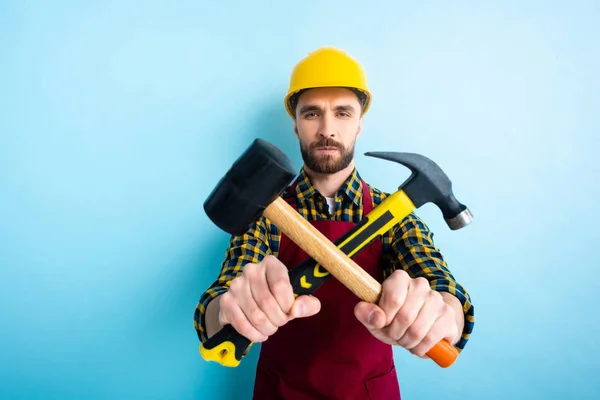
x=253 y=182
x=428 y=183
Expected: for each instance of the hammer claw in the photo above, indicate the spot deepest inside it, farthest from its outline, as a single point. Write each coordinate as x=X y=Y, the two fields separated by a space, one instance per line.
x=428 y=183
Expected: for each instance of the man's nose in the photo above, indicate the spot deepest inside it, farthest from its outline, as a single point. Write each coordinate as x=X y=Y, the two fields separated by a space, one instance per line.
x=326 y=129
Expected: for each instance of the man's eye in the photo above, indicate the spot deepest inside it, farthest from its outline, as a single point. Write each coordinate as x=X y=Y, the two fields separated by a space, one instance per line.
x=310 y=114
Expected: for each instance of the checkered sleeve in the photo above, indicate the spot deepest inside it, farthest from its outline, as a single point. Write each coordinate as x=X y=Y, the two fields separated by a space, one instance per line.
x=415 y=252
x=250 y=247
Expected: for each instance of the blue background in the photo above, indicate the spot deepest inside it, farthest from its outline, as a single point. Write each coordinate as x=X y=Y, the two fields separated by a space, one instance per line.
x=117 y=119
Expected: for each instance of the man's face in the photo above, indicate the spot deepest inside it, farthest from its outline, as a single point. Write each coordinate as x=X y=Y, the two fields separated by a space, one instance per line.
x=328 y=122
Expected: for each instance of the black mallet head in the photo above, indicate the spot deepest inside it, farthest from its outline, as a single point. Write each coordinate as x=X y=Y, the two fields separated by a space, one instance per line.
x=253 y=182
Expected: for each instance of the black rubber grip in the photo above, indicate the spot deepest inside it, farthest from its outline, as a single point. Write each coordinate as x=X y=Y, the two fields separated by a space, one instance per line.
x=229 y=334
x=304 y=280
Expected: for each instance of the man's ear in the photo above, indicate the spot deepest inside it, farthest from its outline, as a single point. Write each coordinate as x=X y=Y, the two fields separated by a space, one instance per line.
x=296 y=128
x=360 y=122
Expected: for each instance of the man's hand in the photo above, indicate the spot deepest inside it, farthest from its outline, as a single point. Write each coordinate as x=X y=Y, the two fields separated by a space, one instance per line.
x=410 y=314
x=261 y=300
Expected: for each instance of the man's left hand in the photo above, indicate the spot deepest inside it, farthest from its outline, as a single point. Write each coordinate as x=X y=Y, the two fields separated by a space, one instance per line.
x=410 y=314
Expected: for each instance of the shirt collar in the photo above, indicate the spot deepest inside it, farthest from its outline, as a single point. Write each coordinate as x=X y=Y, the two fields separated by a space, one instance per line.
x=351 y=188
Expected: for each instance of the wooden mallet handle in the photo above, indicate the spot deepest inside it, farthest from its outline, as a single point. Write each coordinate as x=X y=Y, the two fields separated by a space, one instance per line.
x=342 y=267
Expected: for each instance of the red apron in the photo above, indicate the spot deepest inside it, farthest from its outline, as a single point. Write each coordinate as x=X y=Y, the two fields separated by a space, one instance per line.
x=330 y=355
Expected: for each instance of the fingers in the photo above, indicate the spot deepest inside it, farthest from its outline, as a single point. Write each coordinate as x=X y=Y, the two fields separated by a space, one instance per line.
x=279 y=285
x=439 y=329
x=418 y=289
x=266 y=302
x=261 y=300
x=432 y=308
x=305 y=306
x=232 y=314
x=394 y=293
x=370 y=315
x=244 y=297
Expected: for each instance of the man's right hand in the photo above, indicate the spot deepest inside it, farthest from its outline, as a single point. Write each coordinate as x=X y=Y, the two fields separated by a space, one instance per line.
x=261 y=300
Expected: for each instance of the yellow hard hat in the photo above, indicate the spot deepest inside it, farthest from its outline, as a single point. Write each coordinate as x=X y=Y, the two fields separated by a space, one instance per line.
x=328 y=67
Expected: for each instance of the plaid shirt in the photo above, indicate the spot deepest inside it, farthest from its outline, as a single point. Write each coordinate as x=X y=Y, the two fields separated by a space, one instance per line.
x=409 y=246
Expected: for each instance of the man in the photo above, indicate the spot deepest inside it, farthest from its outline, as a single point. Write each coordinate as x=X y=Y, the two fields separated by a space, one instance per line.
x=332 y=345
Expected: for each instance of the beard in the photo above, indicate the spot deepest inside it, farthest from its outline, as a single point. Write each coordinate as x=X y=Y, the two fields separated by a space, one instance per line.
x=324 y=163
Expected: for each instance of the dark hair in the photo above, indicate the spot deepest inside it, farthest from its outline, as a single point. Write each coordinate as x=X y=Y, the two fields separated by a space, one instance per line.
x=362 y=98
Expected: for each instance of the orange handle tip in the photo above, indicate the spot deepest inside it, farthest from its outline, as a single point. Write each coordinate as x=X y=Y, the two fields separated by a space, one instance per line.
x=443 y=354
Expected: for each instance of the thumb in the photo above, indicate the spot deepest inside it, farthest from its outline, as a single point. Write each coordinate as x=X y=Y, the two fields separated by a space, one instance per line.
x=370 y=315
x=305 y=306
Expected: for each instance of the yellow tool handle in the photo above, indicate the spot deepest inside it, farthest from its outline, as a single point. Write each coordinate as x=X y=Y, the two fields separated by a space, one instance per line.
x=340 y=265
x=383 y=218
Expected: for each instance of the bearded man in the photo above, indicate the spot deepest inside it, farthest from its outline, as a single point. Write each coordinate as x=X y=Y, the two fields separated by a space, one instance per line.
x=331 y=345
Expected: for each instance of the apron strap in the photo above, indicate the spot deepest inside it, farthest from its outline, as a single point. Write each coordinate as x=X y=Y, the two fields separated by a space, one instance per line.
x=291 y=195
x=367 y=200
